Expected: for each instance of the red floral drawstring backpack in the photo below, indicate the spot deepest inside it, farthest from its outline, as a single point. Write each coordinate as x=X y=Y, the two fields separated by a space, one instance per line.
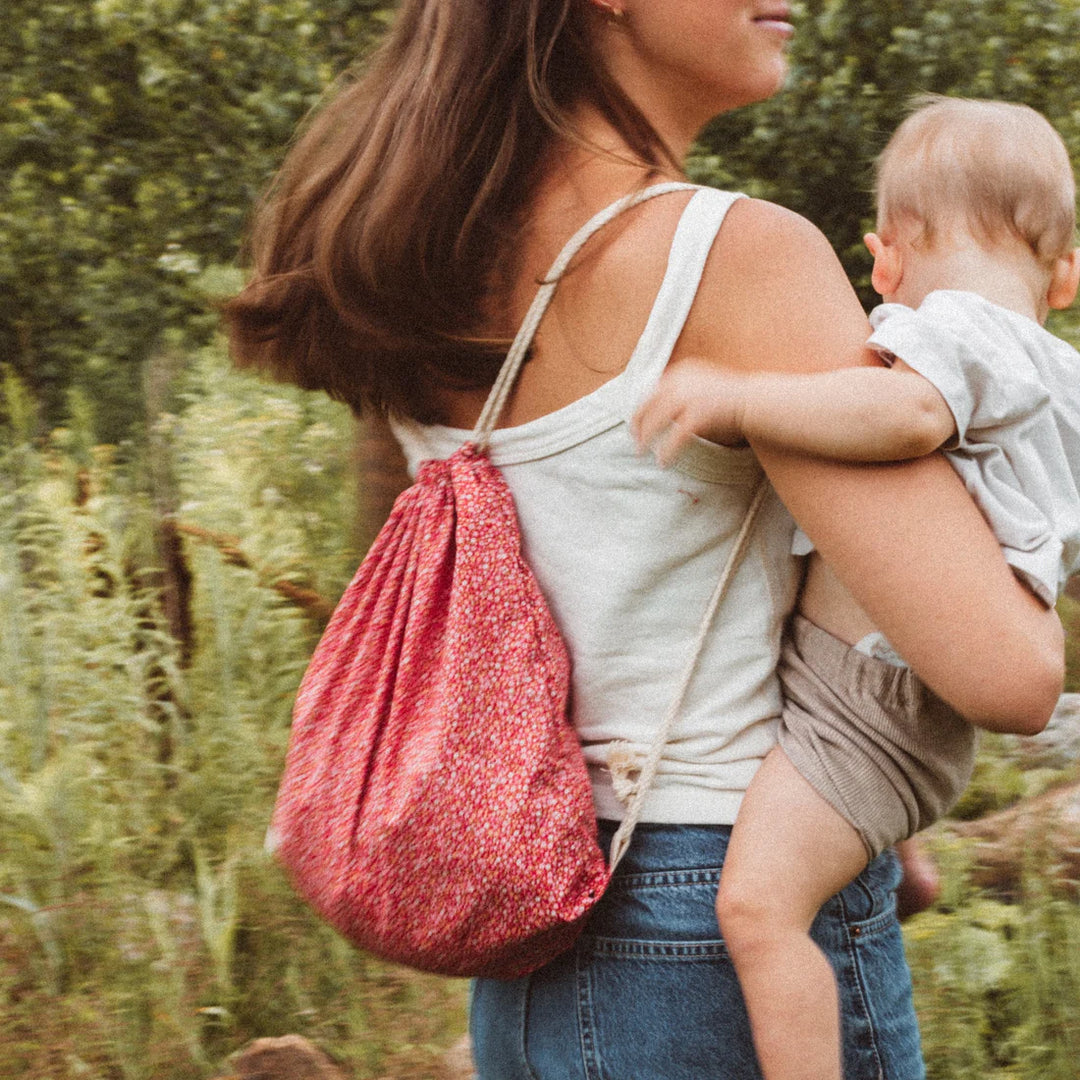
x=435 y=806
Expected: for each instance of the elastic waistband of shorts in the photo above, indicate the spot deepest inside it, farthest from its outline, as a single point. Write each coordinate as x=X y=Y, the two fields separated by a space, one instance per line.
x=835 y=661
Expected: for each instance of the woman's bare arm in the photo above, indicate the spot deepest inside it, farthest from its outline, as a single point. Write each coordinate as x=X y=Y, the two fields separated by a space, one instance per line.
x=905 y=539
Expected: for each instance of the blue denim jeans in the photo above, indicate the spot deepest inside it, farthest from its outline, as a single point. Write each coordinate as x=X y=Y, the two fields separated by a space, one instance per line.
x=649 y=992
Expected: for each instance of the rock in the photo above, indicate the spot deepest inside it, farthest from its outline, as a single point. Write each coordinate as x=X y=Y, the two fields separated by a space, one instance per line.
x=291 y=1057
x=458 y=1061
x=1058 y=747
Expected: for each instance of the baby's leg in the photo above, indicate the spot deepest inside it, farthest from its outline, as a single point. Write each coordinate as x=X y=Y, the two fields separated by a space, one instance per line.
x=789 y=852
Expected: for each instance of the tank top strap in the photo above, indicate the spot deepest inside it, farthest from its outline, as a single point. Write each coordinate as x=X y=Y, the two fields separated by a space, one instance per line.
x=690 y=247
x=507 y=376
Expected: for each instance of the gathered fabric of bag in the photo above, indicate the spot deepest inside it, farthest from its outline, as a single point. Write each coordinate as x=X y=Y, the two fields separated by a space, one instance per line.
x=435 y=806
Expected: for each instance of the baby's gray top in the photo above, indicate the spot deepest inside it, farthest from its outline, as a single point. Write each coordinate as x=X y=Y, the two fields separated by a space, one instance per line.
x=1014 y=391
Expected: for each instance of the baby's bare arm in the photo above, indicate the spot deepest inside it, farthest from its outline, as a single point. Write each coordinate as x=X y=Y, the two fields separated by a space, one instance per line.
x=849 y=414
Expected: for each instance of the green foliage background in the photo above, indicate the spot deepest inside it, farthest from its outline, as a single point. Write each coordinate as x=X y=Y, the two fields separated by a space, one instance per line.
x=144 y=933
x=135 y=136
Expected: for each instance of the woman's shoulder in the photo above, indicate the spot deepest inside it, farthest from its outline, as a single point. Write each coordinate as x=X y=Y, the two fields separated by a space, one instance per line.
x=773 y=241
x=774 y=296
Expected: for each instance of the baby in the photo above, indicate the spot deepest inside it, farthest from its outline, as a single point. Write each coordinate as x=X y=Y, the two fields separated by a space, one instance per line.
x=974 y=244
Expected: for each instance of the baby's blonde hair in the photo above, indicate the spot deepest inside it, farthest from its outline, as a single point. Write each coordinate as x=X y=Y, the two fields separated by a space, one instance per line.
x=991 y=168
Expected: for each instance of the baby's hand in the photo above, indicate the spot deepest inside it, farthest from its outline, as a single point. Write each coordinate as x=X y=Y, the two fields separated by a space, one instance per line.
x=692 y=398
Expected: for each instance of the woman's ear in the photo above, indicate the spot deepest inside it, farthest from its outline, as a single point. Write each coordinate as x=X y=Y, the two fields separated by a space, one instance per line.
x=1065 y=281
x=888 y=265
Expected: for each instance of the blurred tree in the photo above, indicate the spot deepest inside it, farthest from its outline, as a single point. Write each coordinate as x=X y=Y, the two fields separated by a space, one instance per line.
x=134 y=137
x=854 y=67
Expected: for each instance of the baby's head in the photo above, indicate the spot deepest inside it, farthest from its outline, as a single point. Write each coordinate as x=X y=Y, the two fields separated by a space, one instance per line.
x=978 y=175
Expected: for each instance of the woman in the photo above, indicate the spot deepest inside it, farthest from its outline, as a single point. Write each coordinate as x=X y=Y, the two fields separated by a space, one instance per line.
x=395 y=259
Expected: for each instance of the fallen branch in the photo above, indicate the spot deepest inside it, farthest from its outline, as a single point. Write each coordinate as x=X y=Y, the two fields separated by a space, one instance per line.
x=313 y=604
x=1041 y=834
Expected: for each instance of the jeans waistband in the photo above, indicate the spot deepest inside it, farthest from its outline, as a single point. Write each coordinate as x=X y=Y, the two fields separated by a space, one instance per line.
x=656 y=847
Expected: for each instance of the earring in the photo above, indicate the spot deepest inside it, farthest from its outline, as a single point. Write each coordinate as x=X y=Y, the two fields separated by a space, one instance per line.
x=611 y=13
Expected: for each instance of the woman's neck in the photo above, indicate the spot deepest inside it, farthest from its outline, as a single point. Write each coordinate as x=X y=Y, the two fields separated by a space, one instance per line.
x=599 y=166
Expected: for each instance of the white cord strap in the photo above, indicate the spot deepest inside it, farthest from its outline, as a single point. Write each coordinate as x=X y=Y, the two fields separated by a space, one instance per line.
x=481 y=435
x=508 y=373
x=651 y=764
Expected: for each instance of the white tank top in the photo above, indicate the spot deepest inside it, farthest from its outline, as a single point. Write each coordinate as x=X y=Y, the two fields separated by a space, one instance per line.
x=628 y=554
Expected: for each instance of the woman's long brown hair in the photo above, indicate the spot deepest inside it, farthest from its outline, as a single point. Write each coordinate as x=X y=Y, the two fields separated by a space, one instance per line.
x=375 y=252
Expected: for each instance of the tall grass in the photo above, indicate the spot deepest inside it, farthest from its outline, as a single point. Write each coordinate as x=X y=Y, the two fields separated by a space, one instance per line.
x=997 y=985
x=144 y=932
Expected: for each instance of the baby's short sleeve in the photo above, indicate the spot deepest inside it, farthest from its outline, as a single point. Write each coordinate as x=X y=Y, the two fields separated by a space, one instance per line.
x=998 y=373
x=985 y=380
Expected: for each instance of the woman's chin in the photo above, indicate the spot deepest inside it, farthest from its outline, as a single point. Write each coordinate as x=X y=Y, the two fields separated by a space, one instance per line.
x=768 y=85
x=777 y=80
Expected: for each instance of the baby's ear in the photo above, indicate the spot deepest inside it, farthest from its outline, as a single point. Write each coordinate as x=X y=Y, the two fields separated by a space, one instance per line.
x=1065 y=281
x=888 y=265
